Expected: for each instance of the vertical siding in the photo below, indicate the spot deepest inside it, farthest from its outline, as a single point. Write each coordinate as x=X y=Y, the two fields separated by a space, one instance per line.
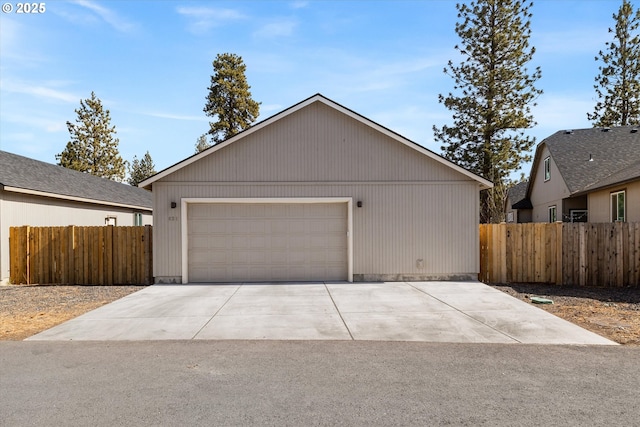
x=23 y=209
x=549 y=193
x=398 y=224
x=316 y=144
x=414 y=207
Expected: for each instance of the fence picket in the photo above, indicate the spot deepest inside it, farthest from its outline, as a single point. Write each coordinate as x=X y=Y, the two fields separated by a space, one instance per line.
x=574 y=254
x=81 y=255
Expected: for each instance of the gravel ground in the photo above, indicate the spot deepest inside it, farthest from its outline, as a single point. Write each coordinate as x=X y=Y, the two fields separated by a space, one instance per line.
x=26 y=310
x=611 y=312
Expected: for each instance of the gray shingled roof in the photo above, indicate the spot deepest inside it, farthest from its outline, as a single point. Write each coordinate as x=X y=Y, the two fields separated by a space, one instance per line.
x=615 y=155
x=29 y=174
x=518 y=196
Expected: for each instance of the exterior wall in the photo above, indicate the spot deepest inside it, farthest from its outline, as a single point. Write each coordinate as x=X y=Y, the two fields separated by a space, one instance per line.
x=315 y=144
x=519 y=215
x=547 y=193
x=600 y=203
x=23 y=209
x=414 y=207
x=573 y=203
x=398 y=224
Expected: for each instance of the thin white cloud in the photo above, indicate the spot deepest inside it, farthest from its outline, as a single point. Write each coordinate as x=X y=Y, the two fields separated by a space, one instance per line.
x=15 y=44
x=38 y=91
x=35 y=121
x=299 y=4
x=176 y=116
x=284 y=27
x=270 y=108
x=202 y=19
x=107 y=15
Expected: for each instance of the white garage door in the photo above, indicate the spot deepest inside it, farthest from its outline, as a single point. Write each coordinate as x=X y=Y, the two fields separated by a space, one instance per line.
x=240 y=242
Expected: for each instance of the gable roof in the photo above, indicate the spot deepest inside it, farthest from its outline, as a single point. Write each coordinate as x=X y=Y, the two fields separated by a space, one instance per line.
x=24 y=175
x=589 y=159
x=315 y=98
x=518 y=196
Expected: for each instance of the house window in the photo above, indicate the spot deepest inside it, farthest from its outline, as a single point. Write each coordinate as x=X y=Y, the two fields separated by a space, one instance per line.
x=509 y=216
x=579 y=215
x=110 y=220
x=547 y=169
x=552 y=214
x=137 y=218
x=617 y=206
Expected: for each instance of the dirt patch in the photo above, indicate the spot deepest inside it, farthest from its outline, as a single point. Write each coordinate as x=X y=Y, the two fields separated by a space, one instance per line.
x=613 y=313
x=26 y=310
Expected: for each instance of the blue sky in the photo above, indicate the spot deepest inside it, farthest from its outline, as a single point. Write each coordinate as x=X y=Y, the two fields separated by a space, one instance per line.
x=150 y=64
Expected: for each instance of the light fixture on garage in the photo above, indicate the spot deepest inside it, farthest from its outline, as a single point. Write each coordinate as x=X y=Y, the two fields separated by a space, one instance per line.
x=173 y=205
x=359 y=204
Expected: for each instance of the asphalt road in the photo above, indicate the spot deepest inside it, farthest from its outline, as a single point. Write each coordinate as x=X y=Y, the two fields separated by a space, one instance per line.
x=302 y=383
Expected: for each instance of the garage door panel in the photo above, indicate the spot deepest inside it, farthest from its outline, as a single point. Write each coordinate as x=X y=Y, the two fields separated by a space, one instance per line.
x=267 y=242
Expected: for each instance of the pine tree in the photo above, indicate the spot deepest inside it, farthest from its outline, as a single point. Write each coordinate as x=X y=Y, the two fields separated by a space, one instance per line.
x=229 y=98
x=141 y=169
x=494 y=94
x=618 y=84
x=93 y=147
x=202 y=143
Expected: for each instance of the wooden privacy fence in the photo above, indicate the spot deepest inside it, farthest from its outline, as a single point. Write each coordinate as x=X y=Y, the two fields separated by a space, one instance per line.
x=576 y=254
x=81 y=255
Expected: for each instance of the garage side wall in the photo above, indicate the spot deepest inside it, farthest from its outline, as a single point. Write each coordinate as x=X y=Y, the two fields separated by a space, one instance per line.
x=403 y=231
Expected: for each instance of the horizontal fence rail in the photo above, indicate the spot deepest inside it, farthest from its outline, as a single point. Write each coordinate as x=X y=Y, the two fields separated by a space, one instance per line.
x=574 y=254
x=106 y=255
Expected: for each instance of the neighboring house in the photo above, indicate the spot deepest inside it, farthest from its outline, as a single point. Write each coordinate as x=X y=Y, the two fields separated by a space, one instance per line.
x=518 y=207
x=583 y=175
x=41 y=194
x=316 y=192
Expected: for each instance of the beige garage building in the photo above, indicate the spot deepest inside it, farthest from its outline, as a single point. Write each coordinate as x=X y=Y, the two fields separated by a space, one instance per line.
x=315 y=193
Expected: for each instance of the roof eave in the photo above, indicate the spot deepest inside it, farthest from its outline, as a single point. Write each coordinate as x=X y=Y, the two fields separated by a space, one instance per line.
x=73 y=198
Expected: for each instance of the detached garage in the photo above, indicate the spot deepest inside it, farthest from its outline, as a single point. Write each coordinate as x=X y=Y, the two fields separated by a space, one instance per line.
x=315 y=193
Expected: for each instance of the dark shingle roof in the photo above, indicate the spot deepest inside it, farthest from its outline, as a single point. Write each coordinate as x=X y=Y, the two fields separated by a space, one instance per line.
x=518 y=196
x=29 y=174
x=615 y=155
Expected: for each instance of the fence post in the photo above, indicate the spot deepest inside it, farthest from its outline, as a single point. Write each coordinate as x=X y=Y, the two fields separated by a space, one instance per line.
x=559 y=257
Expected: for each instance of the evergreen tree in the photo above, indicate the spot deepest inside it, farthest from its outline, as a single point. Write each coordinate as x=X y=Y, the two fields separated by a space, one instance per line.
x=141 y=169
x=494 y=94
x=93 y=147
x=229 y=98
x=618 y=84
x=202 y=143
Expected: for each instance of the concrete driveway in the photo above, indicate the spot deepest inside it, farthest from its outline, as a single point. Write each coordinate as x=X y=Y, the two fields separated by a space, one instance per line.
x=462 y=312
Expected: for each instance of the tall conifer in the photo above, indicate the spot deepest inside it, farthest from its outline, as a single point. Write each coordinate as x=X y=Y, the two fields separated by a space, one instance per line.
x=93 y=147
x=618 y=84
x=141 y=169
x=229 y=99
x=493 y=94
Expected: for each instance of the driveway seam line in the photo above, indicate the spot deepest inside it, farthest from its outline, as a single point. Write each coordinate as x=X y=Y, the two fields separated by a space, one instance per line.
x=466 y=314
x=217 y=311
x=338 y=310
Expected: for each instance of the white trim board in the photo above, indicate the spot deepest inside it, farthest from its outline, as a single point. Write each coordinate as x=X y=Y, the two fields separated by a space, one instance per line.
x=185 y=202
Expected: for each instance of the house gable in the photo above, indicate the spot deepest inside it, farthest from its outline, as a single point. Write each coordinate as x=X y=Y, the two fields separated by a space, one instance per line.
x=315 y=141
